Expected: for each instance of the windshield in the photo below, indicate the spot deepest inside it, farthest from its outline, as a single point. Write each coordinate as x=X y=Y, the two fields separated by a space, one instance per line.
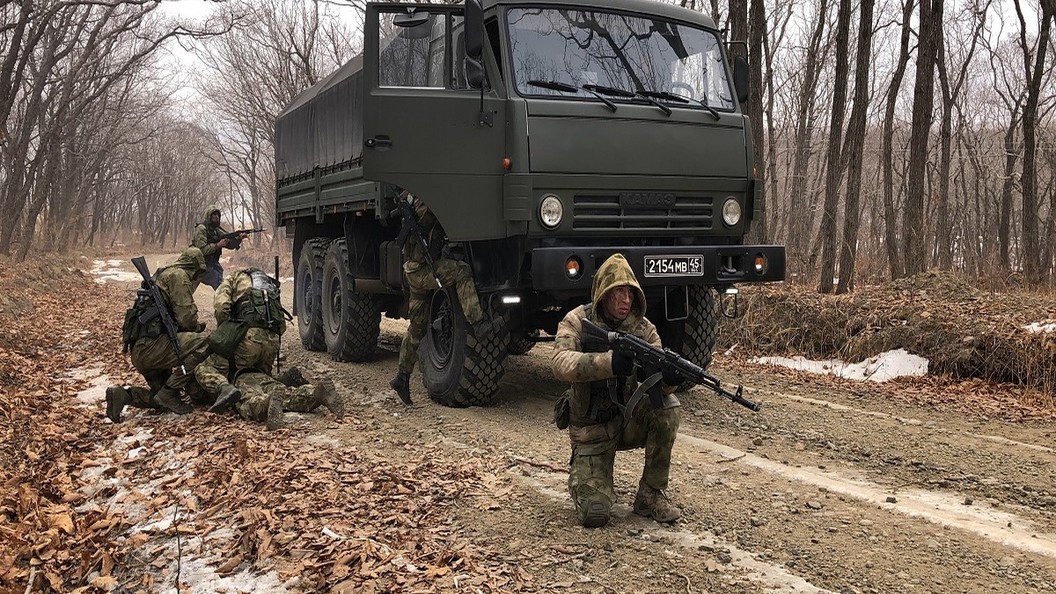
x=606 y=49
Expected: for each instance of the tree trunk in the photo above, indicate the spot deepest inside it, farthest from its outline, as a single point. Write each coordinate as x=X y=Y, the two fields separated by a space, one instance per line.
x=853 y=149
x=894 y=260
x=914 y=224
x=834 y=163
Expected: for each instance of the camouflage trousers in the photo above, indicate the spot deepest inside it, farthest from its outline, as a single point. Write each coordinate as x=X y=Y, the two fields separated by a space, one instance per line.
x=421 y=283
x=256 y=351
x=156 y=360
x=258 y=389
x=591 y=466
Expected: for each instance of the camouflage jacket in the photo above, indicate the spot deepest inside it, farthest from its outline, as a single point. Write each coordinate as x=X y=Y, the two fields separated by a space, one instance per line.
x=176 y=282
x=207 y=235
x=590 y=373
x=413 y=252
x=235 y=288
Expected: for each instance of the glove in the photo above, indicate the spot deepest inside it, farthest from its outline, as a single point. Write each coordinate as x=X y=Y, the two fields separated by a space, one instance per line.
x=622 y=363
x=201 y=327
x=671 y=376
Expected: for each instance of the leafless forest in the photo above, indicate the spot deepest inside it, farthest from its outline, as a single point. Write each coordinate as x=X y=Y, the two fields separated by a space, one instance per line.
x=893 y=137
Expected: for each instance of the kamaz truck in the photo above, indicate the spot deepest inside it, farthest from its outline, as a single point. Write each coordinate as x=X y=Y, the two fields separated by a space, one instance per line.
x=545 y=136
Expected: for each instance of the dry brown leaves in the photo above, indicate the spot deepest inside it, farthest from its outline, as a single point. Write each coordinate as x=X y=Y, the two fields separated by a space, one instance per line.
x=88 y=506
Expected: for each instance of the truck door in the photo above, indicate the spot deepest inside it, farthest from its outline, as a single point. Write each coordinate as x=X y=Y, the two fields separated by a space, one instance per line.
x=423 y=126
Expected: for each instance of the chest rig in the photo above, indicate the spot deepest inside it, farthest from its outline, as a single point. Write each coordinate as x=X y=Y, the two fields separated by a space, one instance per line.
x=606 y=396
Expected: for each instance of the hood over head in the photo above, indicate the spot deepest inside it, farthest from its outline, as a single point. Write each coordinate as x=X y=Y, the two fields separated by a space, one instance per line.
x=209 y=210
x=616 y=272
x=191 y=260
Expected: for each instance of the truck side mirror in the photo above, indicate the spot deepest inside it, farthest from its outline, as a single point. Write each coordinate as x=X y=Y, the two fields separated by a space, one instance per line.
x=474 y=73
x=741 y=78
x=474 y=23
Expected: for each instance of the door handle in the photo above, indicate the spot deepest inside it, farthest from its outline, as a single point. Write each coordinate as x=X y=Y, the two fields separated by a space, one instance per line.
x=379 y=142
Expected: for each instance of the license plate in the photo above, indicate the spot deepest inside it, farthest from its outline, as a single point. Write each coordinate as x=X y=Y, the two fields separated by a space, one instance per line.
x=674 y=265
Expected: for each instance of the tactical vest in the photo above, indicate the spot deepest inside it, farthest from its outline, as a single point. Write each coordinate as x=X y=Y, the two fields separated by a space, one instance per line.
x=141 y=321
x=260 y=307
x=607 y=395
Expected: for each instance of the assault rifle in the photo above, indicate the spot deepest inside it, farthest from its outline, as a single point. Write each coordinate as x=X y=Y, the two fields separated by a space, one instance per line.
x=650 y=357
x=160 y=309
x=234 y=238
x=405 y=211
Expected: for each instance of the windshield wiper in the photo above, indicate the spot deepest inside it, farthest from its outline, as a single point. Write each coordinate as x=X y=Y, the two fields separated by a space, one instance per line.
x=667 y=96
x=567 y=88
x=628 y=95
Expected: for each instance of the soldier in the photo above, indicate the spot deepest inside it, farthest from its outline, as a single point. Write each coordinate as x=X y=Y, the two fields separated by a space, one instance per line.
x=602 y=382
x=209 y=237
x=152 y=353
x=250 y=321
x=422 y=281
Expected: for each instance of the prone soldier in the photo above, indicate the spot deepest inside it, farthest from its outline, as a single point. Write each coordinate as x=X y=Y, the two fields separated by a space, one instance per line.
x=250 y=322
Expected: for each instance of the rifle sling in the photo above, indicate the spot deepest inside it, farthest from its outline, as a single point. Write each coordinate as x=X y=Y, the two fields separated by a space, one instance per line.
x=641 y=391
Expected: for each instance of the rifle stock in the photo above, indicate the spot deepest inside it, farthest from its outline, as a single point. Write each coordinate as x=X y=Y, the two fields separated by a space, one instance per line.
x=646 y=354
x=162 y=308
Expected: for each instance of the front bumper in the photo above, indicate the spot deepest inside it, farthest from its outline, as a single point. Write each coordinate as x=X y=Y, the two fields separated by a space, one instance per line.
x=713 y=265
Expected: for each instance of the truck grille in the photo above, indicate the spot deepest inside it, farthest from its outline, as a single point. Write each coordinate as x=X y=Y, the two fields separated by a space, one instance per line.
x=688 y=214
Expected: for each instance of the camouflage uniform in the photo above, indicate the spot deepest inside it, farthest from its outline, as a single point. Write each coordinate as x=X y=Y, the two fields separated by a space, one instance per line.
x=421 y=282
x=249 y=367
x=153 y=355
x=206 y=235
x=597 y=424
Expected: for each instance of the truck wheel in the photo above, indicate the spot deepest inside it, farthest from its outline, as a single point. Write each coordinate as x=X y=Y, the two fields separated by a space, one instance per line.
x=351 y=320
x=458 y=368
x=309 y=282
x=695 y=337
x=521 y=344
x=702 y=326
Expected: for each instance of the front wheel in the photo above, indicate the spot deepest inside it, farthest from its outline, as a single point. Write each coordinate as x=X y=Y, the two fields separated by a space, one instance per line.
x=458 y=368
x=694 y=338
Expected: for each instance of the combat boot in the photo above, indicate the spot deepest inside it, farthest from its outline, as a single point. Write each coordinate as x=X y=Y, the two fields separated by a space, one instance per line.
x=650 y=502
x=326 y=395
x=401 y=382
x=229 y=396
x=274 y=420
x=292 y=377
x=169 y=399
x=593 y=507
x=117 y=398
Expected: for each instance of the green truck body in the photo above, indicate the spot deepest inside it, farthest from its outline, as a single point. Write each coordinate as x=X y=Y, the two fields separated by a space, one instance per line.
x=545 y=136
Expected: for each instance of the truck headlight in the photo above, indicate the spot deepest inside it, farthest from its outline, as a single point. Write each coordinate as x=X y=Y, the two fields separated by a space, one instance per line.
x=550 y=211
x=731 y=212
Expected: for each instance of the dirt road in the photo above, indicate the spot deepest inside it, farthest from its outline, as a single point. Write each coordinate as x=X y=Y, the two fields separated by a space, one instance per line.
x=833 y=487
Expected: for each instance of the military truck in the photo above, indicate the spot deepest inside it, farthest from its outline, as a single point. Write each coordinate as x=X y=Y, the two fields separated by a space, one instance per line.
x=545 y=136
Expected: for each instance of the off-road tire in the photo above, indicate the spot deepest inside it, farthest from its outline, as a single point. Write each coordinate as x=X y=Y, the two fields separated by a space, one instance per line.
x=458 y=368
x=522 y=343
x=702 y=326
x=351 y=320
x=308 y=285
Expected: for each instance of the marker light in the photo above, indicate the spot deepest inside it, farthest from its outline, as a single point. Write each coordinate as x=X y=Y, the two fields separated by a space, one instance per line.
x=760 y=263
x=507 y=163
x=511 y=299
x=573 y=267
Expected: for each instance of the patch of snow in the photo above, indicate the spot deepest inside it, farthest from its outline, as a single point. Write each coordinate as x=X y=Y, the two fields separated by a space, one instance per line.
x=136 y=452
x=1039 y=328
x=95 y=393
x=881 y=368
x=112 y=270
x=200 y=577
x=323 y=440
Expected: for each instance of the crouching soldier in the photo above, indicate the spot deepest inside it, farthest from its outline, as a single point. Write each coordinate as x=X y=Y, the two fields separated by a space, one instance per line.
x=250 y=321
x=603 y=384
x=168 y=373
